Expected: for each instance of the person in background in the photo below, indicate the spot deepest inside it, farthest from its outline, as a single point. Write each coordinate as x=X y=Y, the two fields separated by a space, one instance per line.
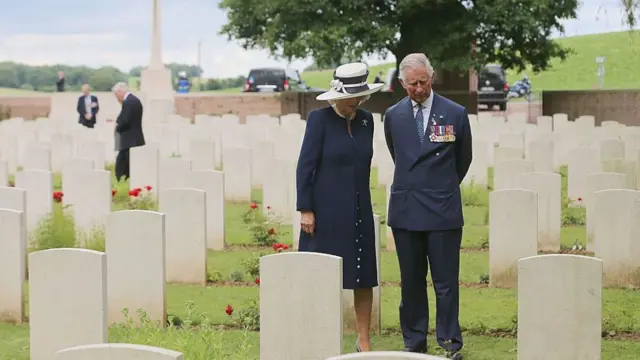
x=429 y=139
x=88 y=108
x=378 y=79
x=128 y=131
x=184 y=85
x=60 y=82
x=332 y=186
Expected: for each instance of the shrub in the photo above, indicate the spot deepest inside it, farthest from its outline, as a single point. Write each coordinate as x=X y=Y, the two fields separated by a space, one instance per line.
x=474 y=195
x=5 y=112
x=252 y=266
x=262 y=231
x=247 y=318
x=141 y=199
x=195 y=336
x=56 y=230
x=573 y=212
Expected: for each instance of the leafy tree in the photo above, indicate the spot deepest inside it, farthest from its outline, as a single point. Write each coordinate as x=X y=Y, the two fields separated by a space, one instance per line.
x=514 y=33
x=631 y=9
x=104 y=78
x=191 y=70
x=43 y=78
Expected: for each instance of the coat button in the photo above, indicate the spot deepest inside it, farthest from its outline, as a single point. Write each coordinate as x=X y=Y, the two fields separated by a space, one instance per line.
x=437 y=154
x=358 y=280
x=360 y=249
x=358 y=259
x=358 y=266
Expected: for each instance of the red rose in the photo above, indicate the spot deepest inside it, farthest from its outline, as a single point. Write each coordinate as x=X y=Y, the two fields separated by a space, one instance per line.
x=57 y=196
x=279 y=247
x=229 y=310
x=253 y=206
x=148 y=188
x=271 y=231
x=257 y=281
x=114 y=192
x=134 y=192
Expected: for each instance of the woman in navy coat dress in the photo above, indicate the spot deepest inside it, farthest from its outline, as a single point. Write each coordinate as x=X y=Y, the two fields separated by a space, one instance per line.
x=333 y=187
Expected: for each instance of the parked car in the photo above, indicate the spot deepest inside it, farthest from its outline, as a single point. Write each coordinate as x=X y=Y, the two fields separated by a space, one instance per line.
x=493 y=87
x=274 y=80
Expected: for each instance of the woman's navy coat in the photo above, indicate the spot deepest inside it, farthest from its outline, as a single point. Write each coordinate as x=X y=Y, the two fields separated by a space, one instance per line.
x=333 y=182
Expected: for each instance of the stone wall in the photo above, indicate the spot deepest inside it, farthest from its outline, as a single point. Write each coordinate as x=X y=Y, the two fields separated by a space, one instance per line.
x=622 y=106
x=31 y=107
x=303 y=103
x=219 y=104
x=28 y=107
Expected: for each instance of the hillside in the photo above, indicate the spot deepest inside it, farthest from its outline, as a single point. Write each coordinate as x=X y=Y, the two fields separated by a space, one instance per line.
x=578 y=72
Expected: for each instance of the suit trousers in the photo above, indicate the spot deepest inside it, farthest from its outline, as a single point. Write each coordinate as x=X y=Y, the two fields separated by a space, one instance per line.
x=122 y=164
x=417 y=252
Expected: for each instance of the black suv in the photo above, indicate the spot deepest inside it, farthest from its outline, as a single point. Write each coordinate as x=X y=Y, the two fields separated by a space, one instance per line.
x=274 y=80
x=493 y=87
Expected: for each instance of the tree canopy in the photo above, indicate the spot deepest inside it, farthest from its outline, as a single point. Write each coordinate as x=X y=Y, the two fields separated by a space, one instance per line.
x=43 y=78
x=514 y=33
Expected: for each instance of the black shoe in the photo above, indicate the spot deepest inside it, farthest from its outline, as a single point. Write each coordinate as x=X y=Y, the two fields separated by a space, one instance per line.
x=417 y=350
x=455 y=355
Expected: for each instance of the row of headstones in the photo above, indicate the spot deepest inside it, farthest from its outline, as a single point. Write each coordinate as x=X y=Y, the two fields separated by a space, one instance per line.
x=178 y=233
x=89 y=192
x=495 y=140
x=51 y=151
x=93 y=190
x=549 y=309
x=610 y=155
x=142 y=352
x=613 y=230
x=244 y=169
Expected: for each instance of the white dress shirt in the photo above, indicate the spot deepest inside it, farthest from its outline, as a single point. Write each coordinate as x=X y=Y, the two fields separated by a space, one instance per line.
x=87 y=103
x=426 y=110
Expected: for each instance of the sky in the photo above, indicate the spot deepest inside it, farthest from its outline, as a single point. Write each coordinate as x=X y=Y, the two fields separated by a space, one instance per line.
x=117 y=33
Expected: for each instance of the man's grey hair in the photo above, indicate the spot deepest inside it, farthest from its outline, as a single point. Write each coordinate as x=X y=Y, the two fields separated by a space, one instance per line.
x=415 y=61
x=121 y=86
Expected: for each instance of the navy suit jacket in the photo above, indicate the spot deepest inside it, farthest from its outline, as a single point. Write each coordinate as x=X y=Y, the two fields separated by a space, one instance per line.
x=425 y=194
x=82 y=110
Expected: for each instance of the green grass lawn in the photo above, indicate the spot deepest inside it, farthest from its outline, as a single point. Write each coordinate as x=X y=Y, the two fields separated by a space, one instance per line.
x=578 y=72
x=488 y=315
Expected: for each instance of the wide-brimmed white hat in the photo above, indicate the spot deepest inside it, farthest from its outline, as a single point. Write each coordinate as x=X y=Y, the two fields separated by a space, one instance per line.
x=349 y=81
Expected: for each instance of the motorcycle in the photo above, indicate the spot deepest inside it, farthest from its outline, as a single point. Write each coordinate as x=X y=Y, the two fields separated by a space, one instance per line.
x=522 y=88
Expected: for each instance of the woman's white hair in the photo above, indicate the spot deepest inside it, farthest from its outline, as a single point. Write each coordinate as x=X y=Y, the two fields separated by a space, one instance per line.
x=333 y=102
x=415 y=61
x=121 y=86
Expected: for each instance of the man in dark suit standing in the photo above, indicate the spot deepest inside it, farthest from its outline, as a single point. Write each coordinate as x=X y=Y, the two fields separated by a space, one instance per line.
x=429 y=138
x=128 y=131
x=88 y=108
x=60 y=82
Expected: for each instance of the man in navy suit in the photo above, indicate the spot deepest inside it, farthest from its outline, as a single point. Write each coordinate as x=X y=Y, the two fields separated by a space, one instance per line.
x=88 y=108
x=128 y=131
x=429 y=138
